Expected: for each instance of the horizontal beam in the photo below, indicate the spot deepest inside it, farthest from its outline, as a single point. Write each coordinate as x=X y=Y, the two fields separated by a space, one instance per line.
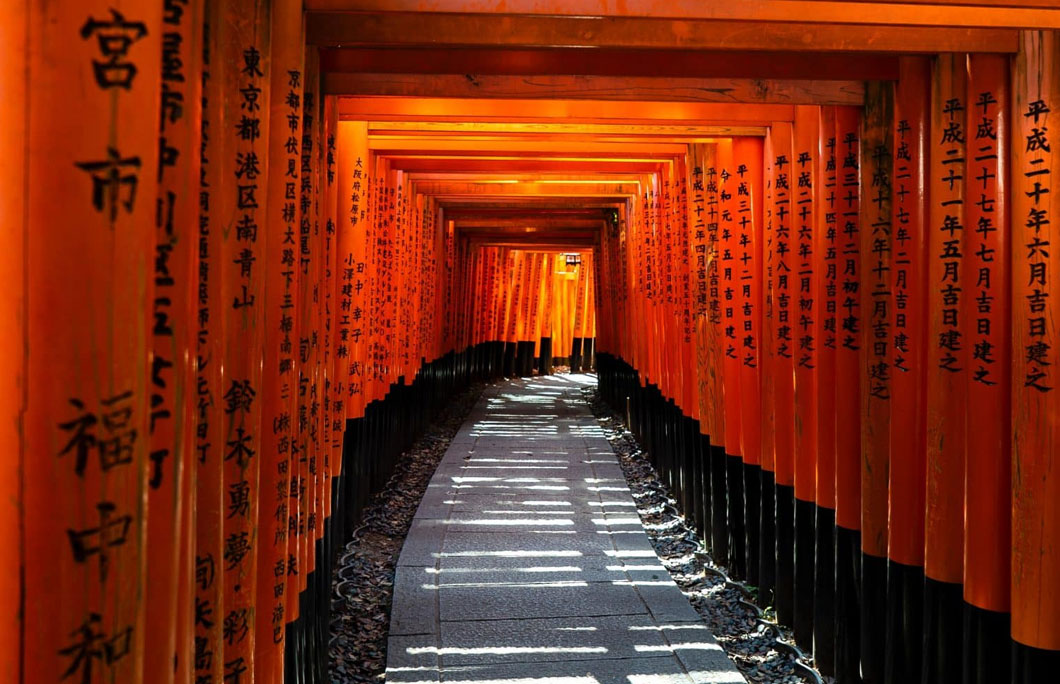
x=531 y=222
x=477 y=190
x=566 y=111
x=498 y=167
x=605 y=62
x=539 y=148
x=609 y=88
x=353 y=29
x=529 y=203
x=539 y=246
x=922 y=13
x=558 y=130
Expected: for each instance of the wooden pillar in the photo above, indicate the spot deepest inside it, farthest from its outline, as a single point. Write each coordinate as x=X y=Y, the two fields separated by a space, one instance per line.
x=782 y=262
x=849 y=346
x=748 y=220
x=92 y=126
x=767 y=546
x=805 y=311
x=13 y=90
x=280 y=371
x=987 y=326
x=1035 y=399
x=876 y=240
x=908 y=438
x=170 y=502
x=825 y=262
x=945 y=370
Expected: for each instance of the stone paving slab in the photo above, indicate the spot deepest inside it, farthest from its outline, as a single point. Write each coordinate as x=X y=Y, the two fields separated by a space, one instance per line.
x=527 y=564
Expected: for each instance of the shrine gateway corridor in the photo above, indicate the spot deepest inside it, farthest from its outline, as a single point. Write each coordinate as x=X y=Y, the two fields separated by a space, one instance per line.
x=783 y=274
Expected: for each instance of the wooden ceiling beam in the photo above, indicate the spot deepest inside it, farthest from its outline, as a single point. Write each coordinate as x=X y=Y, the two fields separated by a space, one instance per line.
x=917 y=13
x=354 y=29
x=605 y=62
x=563 y=111
x=516 y=190
x=557 y=129
x=609 y=88
x=531 y=222
x=536 y=245
x=498 y=167
x=518 y=148
x=528 y=203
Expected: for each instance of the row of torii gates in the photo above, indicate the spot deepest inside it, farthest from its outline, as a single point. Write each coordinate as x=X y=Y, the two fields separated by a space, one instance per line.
x=250 y=245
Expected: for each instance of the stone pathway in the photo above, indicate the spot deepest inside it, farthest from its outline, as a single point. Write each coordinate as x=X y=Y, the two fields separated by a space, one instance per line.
x=527 y=564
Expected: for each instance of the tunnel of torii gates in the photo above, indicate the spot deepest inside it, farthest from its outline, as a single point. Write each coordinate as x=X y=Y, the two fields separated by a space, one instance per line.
x=249 y=246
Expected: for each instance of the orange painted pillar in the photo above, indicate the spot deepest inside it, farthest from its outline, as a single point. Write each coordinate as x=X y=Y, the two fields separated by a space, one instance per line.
x=784 y=319
x=729 y=265
x=13 y=90
x=946 y=392
x=987 y=323
x=698 y=245
x=825 y=266
x=876 y=375
x=849 y=345
x=747 y=154
x=1035 y=399
x=170 y=564
x=87 y=221
x=280 y=370
x=208 y=656
x=767 y=532
x=806 y=310
x=244 y=52
x=908 y=439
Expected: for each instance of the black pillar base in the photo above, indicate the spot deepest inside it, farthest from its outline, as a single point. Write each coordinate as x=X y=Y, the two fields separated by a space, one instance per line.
x=1034 y=665
x=873 y=610
x=905 y=623
x=720 y=513
x=848 y=593
x=943 y=631
x=752 y=495
x=576 y=355
x=785 y=584
x=984 y=660
x=737 y=531
x=805 y=542
x=824 y=593
x=767 y=540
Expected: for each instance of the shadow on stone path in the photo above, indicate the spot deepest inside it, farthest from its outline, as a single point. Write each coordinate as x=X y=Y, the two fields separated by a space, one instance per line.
x=526 y=562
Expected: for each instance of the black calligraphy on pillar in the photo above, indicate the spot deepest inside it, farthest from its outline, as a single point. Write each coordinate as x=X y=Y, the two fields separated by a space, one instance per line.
x=108 y=432
x=880 y=261
x=114 y=38
x=171 y=113
x=1038 y=158
x=93 y=650
x=728 y=262
x=114 y=182
x=781 y=250
x=830 y=250
x=748 y=336
x=984 y=179
x=700 y=243
x=851 y=240
x=951 y=146
x=807 y=343
x=903 y=259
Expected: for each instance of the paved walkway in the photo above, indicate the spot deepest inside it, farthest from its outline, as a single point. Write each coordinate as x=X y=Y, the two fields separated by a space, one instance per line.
x=527 y=564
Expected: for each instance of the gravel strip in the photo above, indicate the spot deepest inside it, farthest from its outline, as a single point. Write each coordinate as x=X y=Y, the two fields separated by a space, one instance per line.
x=763 y=650
x=364 y=579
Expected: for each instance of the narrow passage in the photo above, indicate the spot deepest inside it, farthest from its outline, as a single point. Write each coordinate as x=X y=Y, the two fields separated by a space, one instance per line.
x=527 y=563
